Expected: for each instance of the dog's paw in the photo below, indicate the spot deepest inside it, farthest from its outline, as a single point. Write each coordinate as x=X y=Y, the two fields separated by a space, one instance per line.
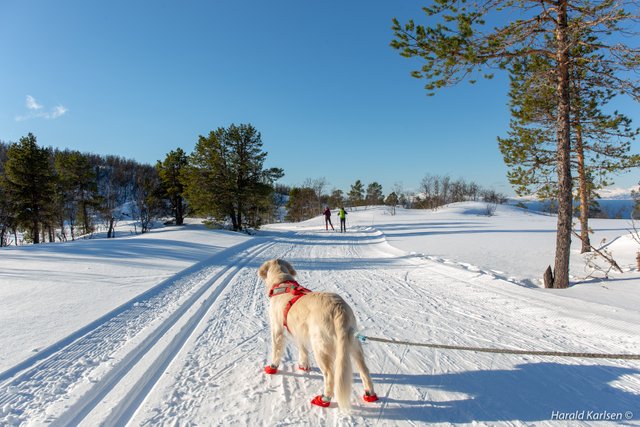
x=370 y=397
x=319 y=400
x=270 y=369
x=305 y=368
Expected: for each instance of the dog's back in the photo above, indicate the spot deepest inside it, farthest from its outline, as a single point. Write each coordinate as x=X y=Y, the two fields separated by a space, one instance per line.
x=326 y=323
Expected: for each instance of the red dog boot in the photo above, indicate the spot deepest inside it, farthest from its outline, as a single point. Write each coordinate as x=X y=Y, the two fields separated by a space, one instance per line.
x=304 y=368
x=369 y=397
x=270 y=369
x=321 y=400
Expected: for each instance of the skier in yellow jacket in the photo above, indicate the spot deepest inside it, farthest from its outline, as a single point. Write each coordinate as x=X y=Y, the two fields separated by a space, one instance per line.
x=342 y=214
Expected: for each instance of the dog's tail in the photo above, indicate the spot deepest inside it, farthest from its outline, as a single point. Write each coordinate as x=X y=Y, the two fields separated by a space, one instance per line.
x=342 y=368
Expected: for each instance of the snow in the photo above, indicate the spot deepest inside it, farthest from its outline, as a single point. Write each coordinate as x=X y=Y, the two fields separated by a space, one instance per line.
x=171 y=328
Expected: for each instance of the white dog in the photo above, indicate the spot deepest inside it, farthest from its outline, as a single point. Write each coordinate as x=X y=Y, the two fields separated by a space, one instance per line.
x=321 y=320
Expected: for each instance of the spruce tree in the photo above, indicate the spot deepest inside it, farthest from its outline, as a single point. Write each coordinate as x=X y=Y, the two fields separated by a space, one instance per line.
x=457 y=44
x=30 y=185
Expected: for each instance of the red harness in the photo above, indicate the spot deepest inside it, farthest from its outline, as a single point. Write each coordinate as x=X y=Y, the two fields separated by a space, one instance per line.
x=292 y=288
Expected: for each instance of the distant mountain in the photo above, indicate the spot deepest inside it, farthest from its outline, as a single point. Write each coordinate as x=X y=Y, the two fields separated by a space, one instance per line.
x=609 y=193
x=613 y=193
x=613 y=203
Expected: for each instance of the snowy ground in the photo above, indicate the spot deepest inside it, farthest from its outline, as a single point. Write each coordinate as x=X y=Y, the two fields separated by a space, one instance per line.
x=170 y=328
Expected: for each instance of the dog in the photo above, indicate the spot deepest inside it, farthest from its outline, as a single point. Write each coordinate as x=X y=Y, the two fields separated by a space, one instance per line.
x=322 y=321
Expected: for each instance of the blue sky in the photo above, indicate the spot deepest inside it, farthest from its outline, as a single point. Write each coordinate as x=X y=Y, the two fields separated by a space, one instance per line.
x=317 y=79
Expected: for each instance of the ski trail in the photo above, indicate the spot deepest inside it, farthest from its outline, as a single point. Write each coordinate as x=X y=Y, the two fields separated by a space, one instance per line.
x=68 y=368
x=127 y=406
x=176 y=326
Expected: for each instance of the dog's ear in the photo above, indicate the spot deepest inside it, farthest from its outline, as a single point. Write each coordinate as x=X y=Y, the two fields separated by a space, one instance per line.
x=289 y=267
x=264 y=268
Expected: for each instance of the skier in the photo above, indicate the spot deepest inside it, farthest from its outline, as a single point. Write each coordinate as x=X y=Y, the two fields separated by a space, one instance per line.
x=327 y=219
x=343 y=220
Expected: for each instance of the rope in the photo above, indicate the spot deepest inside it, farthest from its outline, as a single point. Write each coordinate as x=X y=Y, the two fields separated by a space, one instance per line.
x=504 y=350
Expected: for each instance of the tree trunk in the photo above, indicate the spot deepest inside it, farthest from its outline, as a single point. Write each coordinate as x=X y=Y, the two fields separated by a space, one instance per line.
x=111 y=233
x=71 y=228
x=563 y=236
x=234 y=220
x=548 y=278
x=85 y=218
x=63 y=233
x=582 y=185
x=239 y=220
x=35 y=233
x=179 y=211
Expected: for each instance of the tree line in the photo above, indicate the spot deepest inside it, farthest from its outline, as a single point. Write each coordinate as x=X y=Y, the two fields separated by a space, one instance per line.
x=48 y=194
x=309 y=199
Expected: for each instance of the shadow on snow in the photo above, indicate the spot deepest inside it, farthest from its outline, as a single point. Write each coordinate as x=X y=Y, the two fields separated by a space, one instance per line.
x=530 y=392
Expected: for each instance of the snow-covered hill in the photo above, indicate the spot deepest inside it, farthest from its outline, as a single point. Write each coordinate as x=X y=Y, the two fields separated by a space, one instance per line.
x=170 y=328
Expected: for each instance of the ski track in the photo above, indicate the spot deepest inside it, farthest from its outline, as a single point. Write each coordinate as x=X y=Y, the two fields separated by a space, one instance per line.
x=197 y=346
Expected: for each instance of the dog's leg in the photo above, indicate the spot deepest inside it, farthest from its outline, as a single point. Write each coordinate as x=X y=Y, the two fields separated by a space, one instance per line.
x=358 y=357
x=277 y=345
x=303 y=363
x=325 y=361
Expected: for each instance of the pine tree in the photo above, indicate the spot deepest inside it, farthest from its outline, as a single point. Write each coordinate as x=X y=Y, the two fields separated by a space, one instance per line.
x=392 y=202
x=7 y=220
x=226 y=174
x=600 y=142
x=356 y=193
x=30 y=185
x=374 y=194
x=170 y=171
x=301 y=204
x=336 y=199
x=78 y=187
x=457 y=45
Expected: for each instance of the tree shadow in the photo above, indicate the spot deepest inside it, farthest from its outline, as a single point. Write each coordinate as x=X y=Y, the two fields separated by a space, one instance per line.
x=530 y=392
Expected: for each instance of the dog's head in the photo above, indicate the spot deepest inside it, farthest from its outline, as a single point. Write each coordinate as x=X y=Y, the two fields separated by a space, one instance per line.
x=276 y=270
